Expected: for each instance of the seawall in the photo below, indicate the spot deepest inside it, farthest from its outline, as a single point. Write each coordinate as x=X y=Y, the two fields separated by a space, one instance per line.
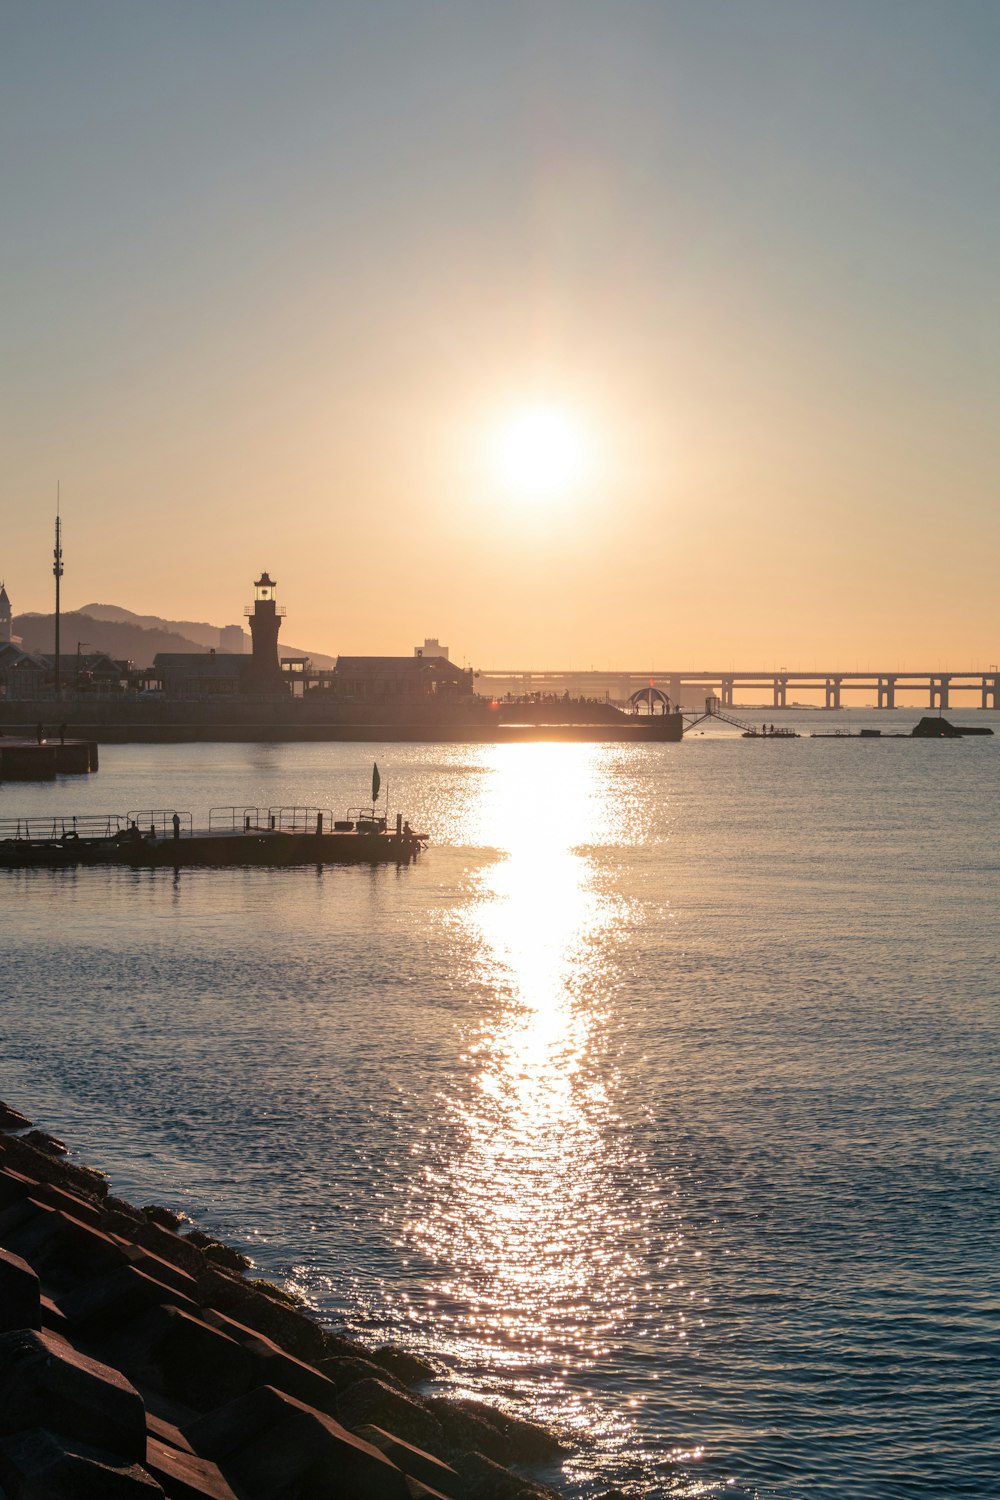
x=140 y=1360
x=126 y=721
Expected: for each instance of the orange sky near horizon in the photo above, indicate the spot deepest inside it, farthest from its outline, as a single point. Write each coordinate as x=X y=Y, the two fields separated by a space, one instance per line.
x=276 y=291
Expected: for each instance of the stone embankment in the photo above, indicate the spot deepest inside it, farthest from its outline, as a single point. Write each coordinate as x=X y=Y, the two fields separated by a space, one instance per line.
x=138 y=1361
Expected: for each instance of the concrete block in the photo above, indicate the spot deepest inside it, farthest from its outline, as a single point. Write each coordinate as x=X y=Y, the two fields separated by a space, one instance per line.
x=165 y=1432
x=419 y=1491
x=413 y=1461
x=185 y=1476
x=63 y=1249
x=170 y=1246
x=12 y=1119
x=163 y=1271
x=185 y=1358
x=374 y=1402
x=44 y=1382
x=273 y=1446
x=292 y=1330
x=105 y=1304
x=16 y=1214
x=43 y=1141
x=16 y=1153
x=39 y=1465
x=86 y=1209
x=53 y=1318
x=14 y=1186
x=20 y=1294
x=275 y=1367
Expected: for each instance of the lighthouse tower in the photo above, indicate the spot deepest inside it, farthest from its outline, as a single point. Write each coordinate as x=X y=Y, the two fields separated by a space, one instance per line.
x=265 y=621
x=5 y=617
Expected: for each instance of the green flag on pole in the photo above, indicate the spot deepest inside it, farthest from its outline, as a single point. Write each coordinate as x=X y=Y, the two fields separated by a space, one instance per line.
x=376 y=781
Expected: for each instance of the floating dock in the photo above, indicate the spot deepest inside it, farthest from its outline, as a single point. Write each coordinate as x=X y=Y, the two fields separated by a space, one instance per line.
x=277 y=836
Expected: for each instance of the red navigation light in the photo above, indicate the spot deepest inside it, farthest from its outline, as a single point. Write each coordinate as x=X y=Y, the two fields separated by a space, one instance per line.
x=494 y=705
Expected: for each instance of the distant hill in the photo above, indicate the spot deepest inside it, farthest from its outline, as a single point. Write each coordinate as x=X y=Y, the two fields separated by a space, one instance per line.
x=208 y=636
x=136 y=638
x=193 y=630
x=130 y=642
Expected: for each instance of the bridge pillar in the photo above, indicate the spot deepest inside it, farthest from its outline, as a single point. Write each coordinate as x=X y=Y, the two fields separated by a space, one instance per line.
x=887 y=692
x=832 y=692
x=990 y=691
x=939 y=690
x=780 y=691
x=727 y=692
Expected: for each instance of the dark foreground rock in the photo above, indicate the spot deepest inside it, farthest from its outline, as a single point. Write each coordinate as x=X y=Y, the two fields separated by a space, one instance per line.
x=137 y=1361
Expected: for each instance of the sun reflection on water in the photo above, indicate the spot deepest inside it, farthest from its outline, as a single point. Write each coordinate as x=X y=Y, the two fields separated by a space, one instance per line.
x=522 y=1204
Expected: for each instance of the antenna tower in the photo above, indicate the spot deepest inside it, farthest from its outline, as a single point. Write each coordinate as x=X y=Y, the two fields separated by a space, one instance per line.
x=57 y=569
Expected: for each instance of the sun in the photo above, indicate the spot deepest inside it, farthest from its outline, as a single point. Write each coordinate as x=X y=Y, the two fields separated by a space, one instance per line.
x=540 y=452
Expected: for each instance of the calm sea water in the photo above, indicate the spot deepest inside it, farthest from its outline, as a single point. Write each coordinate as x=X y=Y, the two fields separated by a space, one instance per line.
x=658 y=1100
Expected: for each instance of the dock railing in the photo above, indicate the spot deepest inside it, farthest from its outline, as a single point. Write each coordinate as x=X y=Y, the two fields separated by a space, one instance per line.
x=46 y=828
x=300 y=819
x=234 y=819
x=160 y=822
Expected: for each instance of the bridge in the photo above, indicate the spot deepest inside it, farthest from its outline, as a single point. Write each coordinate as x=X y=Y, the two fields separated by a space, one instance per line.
x=781 y=685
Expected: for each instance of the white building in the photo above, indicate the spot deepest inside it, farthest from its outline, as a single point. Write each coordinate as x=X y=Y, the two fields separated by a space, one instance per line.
x=431 y=647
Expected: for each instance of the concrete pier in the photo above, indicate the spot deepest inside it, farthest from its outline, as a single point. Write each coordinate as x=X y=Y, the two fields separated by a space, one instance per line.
x=44 y=760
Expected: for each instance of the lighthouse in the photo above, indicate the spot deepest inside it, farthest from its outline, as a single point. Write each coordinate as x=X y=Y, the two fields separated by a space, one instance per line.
x=265 y=618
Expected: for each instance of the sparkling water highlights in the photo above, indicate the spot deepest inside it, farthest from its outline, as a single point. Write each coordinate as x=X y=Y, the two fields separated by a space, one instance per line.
x=658 y=1100
x=525 y=1195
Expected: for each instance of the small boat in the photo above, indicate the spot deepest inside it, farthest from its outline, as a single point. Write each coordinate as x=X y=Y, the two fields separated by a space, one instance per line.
x=771 y=733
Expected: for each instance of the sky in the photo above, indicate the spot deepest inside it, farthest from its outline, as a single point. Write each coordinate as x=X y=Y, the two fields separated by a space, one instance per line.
x=279 y=283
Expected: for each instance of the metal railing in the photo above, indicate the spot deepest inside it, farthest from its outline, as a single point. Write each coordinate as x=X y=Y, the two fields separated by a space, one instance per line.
x=234 y=819
x=159 y=821
x=47 y=829
x=299 y=819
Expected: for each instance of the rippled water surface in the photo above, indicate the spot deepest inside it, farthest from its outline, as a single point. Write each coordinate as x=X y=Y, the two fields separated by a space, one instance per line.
x=658 y=1100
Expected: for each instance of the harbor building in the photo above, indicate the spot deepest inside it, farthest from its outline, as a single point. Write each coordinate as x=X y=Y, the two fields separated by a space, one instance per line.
x=229 y=674
x=7 y=636
x=233 y=639
x=399 y=679
x=431 y=647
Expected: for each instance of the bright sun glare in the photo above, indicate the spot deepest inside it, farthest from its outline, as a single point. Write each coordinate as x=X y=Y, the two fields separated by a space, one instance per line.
x=541 y=452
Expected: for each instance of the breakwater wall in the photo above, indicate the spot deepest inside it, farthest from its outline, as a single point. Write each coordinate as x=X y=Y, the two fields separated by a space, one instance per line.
x=475 y=721
x=140 y=1360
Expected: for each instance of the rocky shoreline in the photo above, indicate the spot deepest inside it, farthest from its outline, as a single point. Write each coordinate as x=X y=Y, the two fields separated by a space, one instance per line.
x=137 y=1360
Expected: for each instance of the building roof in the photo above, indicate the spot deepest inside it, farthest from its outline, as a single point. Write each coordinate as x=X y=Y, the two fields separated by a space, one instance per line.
x=12 y=655
x=201 y=663
x=363 y=665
